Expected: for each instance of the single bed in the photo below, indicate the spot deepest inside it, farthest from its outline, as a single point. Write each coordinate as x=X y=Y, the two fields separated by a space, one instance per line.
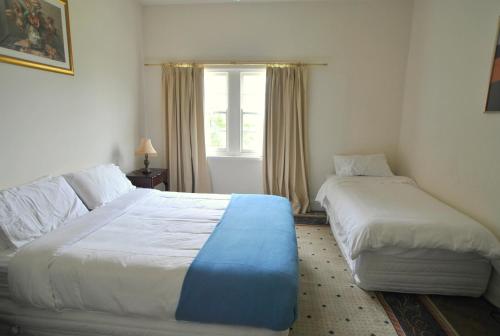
x=122 y=269
x=395 y=237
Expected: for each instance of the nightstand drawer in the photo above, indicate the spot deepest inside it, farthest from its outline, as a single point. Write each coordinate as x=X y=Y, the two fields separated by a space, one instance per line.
x=151 y=180
x=157 y=180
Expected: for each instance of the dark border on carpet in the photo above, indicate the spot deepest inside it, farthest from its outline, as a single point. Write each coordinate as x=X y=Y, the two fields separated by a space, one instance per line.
x=438 y=316
x=390 y=313
x=414 y=315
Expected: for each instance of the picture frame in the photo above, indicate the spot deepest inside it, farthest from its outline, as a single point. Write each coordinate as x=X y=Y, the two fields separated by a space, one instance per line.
x=493 y=96
x=36 y=34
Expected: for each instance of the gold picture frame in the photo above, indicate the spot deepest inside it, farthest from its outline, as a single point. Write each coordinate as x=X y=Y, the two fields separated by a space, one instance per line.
x=36 y=34
x=493 y=96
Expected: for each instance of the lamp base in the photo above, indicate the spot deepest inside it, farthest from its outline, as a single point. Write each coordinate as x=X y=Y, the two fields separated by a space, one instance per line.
x=146 y=170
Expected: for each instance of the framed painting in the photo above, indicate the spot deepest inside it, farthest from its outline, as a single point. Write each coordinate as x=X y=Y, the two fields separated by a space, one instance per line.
x=493 y=99
x=35 y=33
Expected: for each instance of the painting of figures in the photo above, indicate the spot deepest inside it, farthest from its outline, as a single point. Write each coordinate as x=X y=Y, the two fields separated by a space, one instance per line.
x=35 y=33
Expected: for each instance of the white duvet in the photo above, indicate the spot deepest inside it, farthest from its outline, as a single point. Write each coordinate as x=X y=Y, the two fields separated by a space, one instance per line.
x=128 y=257
x=382 y=212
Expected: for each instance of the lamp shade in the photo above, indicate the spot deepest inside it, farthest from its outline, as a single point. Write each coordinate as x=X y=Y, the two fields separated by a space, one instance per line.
x=146 y=147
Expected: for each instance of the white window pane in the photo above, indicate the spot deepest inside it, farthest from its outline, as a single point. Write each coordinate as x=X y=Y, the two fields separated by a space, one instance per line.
x=216 y=82
x=216 y=106
x=251 y=122
x=252 y=141
x=253 y=86
x=216 y=130
x=216 y=103
x=253 y=82
x=252 y=101
x=217 y=140
x=216 y=91
x=218 y=121
x=252 y=132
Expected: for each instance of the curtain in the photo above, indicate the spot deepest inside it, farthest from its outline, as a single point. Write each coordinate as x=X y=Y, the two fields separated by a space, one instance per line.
x=285 y=135
x=185 y=138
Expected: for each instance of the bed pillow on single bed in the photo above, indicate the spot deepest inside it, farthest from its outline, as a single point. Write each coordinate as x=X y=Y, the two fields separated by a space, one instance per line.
x=30 y=211
x=99 y=185
x=362 y=165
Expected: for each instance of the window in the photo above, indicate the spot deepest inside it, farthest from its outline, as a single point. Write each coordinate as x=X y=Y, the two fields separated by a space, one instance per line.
x=234 y=111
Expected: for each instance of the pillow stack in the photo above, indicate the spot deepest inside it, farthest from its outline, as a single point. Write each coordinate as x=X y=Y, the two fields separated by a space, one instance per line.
x=30 y=211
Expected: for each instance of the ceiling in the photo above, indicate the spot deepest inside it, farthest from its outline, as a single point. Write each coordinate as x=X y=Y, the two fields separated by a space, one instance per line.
x=179 y=2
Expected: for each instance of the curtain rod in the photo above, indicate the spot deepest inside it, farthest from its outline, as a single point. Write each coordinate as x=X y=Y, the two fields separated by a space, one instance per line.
x=270 y=63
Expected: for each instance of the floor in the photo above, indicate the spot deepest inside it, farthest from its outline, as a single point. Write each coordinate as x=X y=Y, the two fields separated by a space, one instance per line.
x=329 y=304
x=469 y=316
x=313 y=217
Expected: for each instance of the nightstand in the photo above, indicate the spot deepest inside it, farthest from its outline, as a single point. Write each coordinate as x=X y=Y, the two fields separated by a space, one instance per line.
x=156 y=177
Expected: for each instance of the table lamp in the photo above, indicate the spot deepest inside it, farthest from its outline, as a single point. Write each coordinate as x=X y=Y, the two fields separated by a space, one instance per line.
x=146 y=148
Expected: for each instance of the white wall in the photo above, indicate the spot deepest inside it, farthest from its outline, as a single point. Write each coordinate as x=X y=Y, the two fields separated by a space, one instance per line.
x=355 y=101
x=447 y=143
x=52 y=123
x=236 y=175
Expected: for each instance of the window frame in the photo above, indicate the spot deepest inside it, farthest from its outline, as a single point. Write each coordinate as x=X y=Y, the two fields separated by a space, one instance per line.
x=234 y=114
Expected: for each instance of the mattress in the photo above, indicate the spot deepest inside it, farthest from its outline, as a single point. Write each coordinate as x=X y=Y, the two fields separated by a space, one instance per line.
x=420 y=271
x=5 y=256
x=493 y=292
x=380 y=212
x=41 y=322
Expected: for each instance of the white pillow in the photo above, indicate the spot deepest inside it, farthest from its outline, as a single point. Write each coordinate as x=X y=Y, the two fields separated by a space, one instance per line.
x=29 y=211
x=99 y=185
x=362 y=165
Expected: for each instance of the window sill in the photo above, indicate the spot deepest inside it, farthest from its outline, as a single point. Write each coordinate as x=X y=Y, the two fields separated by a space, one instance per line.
x=228 y=156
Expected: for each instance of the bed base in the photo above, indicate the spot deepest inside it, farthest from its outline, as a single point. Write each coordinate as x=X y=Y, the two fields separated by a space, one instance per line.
x=26 y=321
x=493 y=292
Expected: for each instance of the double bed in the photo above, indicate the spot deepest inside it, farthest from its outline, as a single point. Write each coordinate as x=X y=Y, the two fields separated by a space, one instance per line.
x=395 y=237
x=157 y=263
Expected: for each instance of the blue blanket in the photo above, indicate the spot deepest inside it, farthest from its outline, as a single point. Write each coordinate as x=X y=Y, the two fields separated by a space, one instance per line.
x=246 y=273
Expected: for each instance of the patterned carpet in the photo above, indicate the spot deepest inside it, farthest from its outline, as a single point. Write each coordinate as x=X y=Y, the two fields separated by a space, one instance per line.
x=329 y=303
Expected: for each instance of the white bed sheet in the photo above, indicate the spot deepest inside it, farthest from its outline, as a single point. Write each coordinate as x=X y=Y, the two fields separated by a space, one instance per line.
x=127 y=258
x=420 y=271
x=381 y=212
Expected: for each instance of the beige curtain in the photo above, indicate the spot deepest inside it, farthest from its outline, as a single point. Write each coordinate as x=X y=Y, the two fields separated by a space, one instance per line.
x=185 y=147
x=285 y=139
